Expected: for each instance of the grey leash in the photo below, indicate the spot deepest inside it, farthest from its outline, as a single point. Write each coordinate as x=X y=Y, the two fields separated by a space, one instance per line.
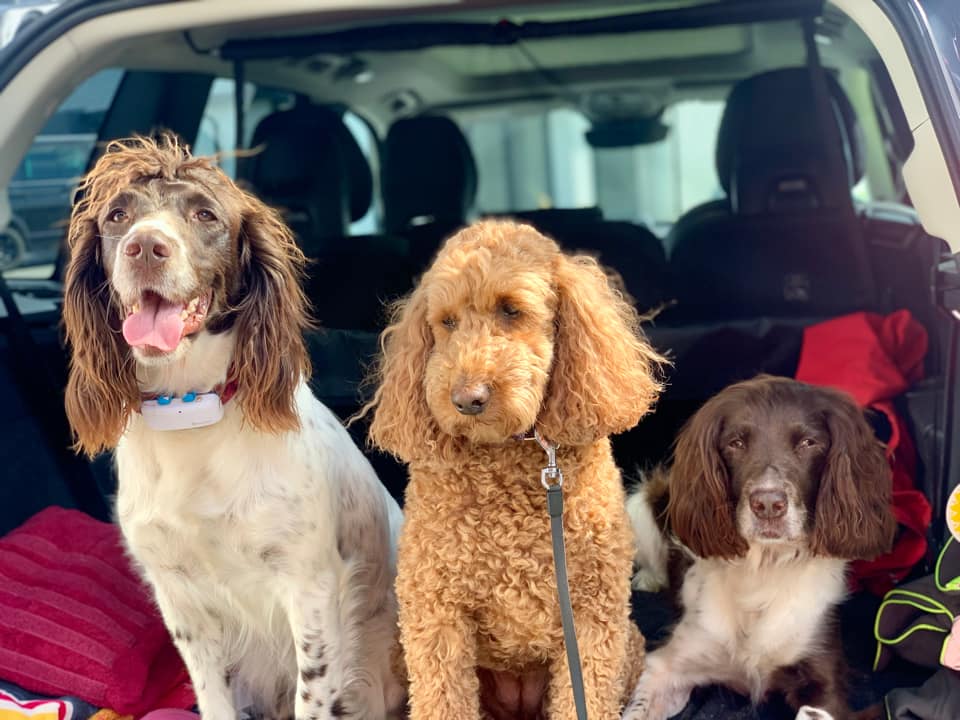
x=551 y=478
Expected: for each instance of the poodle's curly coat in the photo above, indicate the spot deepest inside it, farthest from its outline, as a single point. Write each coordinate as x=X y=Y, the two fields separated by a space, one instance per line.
x=557 y=347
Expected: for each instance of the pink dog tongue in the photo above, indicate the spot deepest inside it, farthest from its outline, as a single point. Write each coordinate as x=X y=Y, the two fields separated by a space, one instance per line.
x=157 y=323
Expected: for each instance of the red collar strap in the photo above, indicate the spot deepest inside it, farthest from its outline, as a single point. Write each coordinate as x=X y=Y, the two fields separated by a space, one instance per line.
x=226 y=391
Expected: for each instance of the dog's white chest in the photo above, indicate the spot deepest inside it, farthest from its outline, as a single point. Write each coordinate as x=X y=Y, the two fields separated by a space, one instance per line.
x=218 y=547
x=227 y=509
x=758 y=617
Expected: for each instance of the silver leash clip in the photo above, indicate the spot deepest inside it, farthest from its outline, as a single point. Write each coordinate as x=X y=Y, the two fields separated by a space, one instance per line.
x=551 y=476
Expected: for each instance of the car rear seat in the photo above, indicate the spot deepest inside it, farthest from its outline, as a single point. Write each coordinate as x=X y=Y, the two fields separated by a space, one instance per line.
x=429 y=182
x=32 y=478
x=780 y=245
x=312 y=169
x=751 y=275
x=633 y=251
x=429 y=185
x=312 y=166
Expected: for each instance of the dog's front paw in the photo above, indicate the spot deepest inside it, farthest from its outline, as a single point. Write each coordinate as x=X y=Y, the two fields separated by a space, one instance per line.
x=642 y=705
x=637 y=709
x=811 y=713
x=657 y=698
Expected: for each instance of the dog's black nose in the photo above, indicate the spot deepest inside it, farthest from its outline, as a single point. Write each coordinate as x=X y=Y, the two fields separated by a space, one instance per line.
x=470 y=399
x=768 y=504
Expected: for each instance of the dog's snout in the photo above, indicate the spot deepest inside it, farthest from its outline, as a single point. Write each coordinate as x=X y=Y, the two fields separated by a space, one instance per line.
x=147 y=247
x=768 y=504
x=470 y=399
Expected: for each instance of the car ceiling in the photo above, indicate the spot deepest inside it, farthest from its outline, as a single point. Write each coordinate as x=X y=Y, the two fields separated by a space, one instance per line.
x=640 y=68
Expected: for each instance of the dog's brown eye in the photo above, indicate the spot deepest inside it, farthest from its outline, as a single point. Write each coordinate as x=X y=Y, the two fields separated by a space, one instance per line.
x=736 y=444
x=449 y=322
x=808 y=443
x=117 y=215
x=509 y=311
x=205 y=215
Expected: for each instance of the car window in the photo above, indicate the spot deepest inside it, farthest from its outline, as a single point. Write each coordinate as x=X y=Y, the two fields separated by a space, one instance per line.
x=17 y=18
x=42 y=187
x=218 y=125
x=218 y=131
x=944 y=19
x=542 y=159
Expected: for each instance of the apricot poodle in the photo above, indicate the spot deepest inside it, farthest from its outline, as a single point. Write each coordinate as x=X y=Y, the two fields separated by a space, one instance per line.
x=503 y=334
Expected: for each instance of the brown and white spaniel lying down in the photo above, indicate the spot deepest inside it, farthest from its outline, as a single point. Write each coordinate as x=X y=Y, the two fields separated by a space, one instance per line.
x=775 y=486
x=266 y=536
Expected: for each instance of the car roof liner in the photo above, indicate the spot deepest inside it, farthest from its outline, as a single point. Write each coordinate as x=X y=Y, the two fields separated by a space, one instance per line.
x=397 y=37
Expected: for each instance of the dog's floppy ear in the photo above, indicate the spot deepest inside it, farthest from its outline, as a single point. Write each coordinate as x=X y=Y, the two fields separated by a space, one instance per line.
x=853 y=517
x=701 y=510
x=604 y=374
x=271 y=315
x=102 y=387
x=402 y=423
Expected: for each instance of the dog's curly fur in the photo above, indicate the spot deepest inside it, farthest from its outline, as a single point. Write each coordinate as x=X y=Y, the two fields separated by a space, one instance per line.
x=560 y=349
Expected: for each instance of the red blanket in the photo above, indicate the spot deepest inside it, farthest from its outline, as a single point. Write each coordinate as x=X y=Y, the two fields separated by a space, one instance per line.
x=876 y=358
x=76 y=620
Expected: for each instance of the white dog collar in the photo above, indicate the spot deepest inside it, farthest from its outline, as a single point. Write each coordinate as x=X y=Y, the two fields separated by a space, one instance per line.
x=193 y=410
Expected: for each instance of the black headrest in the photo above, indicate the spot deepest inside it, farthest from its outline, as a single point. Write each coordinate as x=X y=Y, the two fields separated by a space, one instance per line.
x=428 y=173
x=552 y=220
x=310 y=163
x=772 y=150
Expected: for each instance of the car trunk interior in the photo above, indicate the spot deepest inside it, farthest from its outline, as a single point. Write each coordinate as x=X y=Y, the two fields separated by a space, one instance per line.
x=807 y=219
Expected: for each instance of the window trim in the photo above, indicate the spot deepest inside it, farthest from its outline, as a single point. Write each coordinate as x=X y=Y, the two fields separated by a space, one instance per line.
x=45 y=30
x=909 y=19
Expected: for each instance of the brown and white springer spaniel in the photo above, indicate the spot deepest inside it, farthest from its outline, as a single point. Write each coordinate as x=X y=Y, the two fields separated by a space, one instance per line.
x=775 y=486
x=266 y=536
